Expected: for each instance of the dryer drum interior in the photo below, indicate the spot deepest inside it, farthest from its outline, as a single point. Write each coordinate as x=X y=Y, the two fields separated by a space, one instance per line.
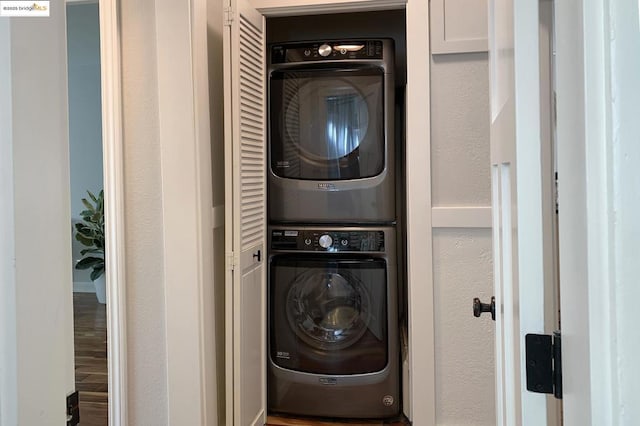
x=331 y=124
x=328 y=310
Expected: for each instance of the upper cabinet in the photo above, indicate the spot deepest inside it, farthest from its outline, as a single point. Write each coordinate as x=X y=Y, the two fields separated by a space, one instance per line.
x=299 y=7
x=458 y=26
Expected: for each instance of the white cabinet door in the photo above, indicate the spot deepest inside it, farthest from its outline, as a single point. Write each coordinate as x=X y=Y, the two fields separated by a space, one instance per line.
x=245 y=201
x=516 y=175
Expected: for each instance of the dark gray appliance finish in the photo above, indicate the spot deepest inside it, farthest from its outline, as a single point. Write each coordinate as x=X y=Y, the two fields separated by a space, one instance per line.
x=331 y=132
x=368 y=25
x=333 y=339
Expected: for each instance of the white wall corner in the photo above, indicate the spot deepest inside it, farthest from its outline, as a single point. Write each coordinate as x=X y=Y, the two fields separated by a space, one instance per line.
x=186 y=201
x=8 y=338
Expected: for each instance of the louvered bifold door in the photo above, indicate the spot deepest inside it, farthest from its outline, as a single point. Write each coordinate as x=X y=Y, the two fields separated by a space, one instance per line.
x=245 y=214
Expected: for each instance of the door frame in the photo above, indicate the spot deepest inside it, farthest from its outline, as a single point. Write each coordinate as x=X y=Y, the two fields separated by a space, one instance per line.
x=419 y=218
x=587 y=219
x=595 y=195
x=188 y=214
x=421 y=358
x=113 y=178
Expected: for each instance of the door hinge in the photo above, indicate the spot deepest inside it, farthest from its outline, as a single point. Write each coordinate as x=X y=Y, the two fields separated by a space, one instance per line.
x=73 y=409
x=554 y=110
x=231 y=261
x=544 y=363
x=228 y=16
x=555 y=195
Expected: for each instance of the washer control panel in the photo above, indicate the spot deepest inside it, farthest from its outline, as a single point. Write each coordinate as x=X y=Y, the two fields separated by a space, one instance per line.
x=327 y=240
x=334 y=50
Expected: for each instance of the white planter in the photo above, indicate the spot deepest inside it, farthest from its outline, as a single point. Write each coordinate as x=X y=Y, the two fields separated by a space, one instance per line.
x=101 y=289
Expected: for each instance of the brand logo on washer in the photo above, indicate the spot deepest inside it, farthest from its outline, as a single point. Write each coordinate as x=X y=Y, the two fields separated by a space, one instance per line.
x=328 y=380
x=387 y=400
x=327 y=186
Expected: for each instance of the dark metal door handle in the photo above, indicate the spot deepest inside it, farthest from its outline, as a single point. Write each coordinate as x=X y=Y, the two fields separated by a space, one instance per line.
x=257 y=255
x=479 y=308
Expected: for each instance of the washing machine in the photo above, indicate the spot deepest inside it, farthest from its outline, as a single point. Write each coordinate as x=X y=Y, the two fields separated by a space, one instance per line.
x=333 y=332
x=331 y=132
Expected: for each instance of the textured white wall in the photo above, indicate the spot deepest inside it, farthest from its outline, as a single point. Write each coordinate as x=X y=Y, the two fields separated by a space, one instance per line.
x=462 y=259
x=8 y=353
x=460 y=130
x=85 y=120
x=625 y=106
x=464 y=345
x=216 y=92
x=215 y=295
x=146 y=330
x=35 y=292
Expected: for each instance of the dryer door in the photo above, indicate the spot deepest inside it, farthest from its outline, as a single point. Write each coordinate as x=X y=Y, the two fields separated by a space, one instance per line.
x=328 y=316
x=327 y=124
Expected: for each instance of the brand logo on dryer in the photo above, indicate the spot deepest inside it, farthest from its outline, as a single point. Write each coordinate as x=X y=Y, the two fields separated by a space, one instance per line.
x=283 y=355
x=326 y=186
x=387 y=400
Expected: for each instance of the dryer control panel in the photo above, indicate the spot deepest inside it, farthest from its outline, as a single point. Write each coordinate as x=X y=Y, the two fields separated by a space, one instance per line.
x=326 y=240
x=331 y=50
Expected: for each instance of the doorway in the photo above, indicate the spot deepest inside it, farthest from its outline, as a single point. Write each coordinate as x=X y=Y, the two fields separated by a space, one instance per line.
x=87 y=212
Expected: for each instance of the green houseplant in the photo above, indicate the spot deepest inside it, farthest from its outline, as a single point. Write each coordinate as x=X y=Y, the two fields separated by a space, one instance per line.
x=90 y=233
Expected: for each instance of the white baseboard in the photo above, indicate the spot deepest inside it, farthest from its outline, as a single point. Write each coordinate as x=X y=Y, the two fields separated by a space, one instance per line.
x=83 y=287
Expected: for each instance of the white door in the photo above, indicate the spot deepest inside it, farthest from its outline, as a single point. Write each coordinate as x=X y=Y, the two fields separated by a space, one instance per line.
x=245 y=220
x=517 y=199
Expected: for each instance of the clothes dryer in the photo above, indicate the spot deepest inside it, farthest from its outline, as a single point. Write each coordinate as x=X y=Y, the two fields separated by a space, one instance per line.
x=331 y=132
x=333 y=330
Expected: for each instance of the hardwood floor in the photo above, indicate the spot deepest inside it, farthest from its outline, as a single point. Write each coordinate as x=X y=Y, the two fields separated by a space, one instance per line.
x=290 y=421
x=90 y=332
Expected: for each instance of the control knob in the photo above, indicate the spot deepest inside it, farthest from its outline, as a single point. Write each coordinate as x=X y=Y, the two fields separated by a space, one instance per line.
x=325 y=241
x=324 y=50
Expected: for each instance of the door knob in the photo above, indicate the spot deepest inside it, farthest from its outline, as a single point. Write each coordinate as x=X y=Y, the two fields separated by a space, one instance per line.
x=257 y=255
x=479 y=308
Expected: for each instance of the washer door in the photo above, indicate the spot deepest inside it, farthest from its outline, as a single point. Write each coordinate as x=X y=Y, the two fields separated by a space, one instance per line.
x=328 y=316
x=328 y=309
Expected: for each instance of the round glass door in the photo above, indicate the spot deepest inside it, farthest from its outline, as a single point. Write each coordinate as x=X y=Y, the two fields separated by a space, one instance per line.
x=327 y=124
x=328 y=310
x=335 y=116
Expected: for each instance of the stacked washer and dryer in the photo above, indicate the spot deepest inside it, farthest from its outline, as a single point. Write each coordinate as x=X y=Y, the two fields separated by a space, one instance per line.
x=333 y=340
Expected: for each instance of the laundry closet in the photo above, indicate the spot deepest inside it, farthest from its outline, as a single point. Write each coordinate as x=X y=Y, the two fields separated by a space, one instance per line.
x=336 y=228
